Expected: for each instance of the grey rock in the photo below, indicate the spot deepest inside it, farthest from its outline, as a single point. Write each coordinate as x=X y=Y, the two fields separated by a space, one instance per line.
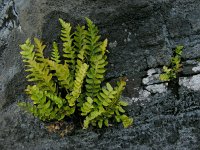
x=152 y=77
x=190 y=67
x=113 y=44
x=191 y=62
x=151 y=80
x=192 y=83
x=142 y=98
x=157 y=88
x=197 y=68
x=188 y=70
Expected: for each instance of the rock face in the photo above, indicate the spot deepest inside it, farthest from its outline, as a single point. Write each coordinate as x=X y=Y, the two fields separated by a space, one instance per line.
x=142 y=35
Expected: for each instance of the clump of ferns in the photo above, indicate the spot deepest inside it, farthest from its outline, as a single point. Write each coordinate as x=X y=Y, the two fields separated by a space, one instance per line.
x=73 y=84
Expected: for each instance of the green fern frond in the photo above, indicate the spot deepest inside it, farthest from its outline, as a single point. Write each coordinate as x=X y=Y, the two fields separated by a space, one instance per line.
x=46 y=105
x=68 y=48
x=95 y=75
x=127 y=121
x=27 y=51
x=80 y=75
x=55 y=56
x=42 y=107
x=103 y=46
x=39 y=71
x=65 y=31
x=107 y=105
x=54 y=98
x=92 y=38
x=80 y=42
x=36 y=94
x=40 y=74
x=63 y=74
x=87 y=106
x=119 y=88
x=39 y=50
x=91 y=118
x=97 y=59
x=106 y=96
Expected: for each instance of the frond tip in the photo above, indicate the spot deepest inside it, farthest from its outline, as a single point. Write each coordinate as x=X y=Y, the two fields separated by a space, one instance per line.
x=27 y=51
x=55 y=56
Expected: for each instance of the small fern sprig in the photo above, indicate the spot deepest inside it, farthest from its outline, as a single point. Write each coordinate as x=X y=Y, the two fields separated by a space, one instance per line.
x=171 y=71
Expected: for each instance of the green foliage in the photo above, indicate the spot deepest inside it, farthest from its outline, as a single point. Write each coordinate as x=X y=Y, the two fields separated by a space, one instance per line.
x=99 y=110
x=62 y=86
x=175 y=66
x=55 y=56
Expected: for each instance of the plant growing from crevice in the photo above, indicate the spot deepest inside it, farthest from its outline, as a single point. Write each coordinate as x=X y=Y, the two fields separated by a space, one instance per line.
x=72 y=82
x=175 y=66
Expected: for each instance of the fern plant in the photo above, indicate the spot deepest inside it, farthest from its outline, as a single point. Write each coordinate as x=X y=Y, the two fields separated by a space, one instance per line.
x=72 y=82
x=175 y=66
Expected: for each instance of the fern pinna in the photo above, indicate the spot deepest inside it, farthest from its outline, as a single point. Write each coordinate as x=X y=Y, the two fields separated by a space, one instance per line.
x=63 y=84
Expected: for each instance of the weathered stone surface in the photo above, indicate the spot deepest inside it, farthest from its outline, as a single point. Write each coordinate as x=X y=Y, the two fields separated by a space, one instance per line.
x=191 y=67
x=141 y=35
x=192 y=83
x=152 y=77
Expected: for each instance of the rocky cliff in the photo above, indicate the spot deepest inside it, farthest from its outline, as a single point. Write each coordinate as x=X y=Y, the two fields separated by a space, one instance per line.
x=142 y=35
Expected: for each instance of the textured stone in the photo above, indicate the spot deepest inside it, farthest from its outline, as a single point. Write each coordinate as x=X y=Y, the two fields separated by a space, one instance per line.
x=157 y=88
x=197 y=68
x=192 y=83
x=152 y=77
x=191 y=67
